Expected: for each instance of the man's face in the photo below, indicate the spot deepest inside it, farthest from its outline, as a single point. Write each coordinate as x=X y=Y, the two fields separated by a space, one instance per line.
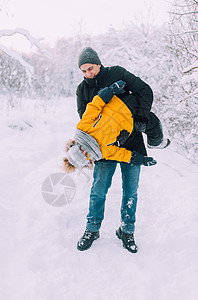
x=90 y=70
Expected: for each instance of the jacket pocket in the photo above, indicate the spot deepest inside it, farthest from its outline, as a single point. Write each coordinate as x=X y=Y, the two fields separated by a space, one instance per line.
x=100 y=116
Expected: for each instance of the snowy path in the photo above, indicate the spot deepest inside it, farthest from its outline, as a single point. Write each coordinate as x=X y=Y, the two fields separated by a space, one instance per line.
x=38 y=255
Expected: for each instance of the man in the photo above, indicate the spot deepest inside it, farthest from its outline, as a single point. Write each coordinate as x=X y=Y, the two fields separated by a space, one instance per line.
x=105 y=125
x=97 y=77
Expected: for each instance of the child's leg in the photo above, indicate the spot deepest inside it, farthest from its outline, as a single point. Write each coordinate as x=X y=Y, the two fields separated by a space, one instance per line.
x=154 y=131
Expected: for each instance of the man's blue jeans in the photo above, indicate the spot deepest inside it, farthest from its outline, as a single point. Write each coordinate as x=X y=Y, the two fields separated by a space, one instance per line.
x=103 y=173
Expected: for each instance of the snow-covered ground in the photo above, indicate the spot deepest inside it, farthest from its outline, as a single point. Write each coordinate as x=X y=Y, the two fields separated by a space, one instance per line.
x=38 y=255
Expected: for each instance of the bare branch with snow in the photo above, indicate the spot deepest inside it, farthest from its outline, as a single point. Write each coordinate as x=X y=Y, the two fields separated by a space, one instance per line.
x=184 y=32
x=33 y=41
x=191 y=67
x=182 y=14
x=190 y=95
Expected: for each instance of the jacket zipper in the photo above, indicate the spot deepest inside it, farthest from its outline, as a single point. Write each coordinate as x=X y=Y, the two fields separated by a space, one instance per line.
x=98 y=120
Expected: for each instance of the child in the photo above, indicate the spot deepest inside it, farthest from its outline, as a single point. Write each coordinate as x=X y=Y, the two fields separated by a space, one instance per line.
x=104 y=128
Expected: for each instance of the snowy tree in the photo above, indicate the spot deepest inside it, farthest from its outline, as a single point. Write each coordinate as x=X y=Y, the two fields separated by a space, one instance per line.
x=57 y=77
x=183 y=45
x=13 y=78
x=16 y=58
x=157 y=57
x=36 y=42
x=184 y=42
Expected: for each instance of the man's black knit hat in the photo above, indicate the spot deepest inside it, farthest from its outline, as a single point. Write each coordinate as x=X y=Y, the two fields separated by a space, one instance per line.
x=88 y=56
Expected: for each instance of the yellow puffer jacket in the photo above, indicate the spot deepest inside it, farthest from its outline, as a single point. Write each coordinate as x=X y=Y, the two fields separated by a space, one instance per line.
x=104 y=122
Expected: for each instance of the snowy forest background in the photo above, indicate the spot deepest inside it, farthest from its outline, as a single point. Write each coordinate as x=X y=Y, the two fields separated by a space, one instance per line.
x=165 y=57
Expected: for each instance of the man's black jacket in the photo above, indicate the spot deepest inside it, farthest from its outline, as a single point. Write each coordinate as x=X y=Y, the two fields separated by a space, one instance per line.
x=141 y=98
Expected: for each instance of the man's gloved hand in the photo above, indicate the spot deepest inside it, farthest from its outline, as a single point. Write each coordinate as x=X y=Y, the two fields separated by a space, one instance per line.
x=123 y=136
x=108 y=92
x=139 y=159
x=118 y=87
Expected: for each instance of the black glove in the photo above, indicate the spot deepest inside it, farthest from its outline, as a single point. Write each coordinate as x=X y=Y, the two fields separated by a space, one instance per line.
x=123 y=136
x=139 y=159
x=108 y=92
x=118 y=87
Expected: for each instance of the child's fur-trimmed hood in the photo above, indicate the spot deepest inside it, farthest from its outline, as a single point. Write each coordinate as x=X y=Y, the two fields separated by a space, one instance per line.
x=67 y=166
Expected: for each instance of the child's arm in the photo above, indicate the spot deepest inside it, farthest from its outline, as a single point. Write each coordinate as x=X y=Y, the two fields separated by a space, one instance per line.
x=131 y=157
x=91 y=113
x=117 y=153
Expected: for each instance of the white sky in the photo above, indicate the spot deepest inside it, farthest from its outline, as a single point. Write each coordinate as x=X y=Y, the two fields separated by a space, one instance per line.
x=53 y=19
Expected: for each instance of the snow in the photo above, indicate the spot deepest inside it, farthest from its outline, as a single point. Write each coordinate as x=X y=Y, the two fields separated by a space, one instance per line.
x=38 y=255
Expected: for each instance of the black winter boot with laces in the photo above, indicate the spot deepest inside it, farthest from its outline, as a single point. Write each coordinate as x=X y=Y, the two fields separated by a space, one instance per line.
x=127 y=240
x=87 y=239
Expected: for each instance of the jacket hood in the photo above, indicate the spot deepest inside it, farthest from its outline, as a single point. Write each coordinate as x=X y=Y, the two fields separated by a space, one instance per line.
x=89 y=143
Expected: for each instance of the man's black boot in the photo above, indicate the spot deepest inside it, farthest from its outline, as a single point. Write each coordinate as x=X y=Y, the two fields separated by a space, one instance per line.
x=87 y=239
x=127 y=240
